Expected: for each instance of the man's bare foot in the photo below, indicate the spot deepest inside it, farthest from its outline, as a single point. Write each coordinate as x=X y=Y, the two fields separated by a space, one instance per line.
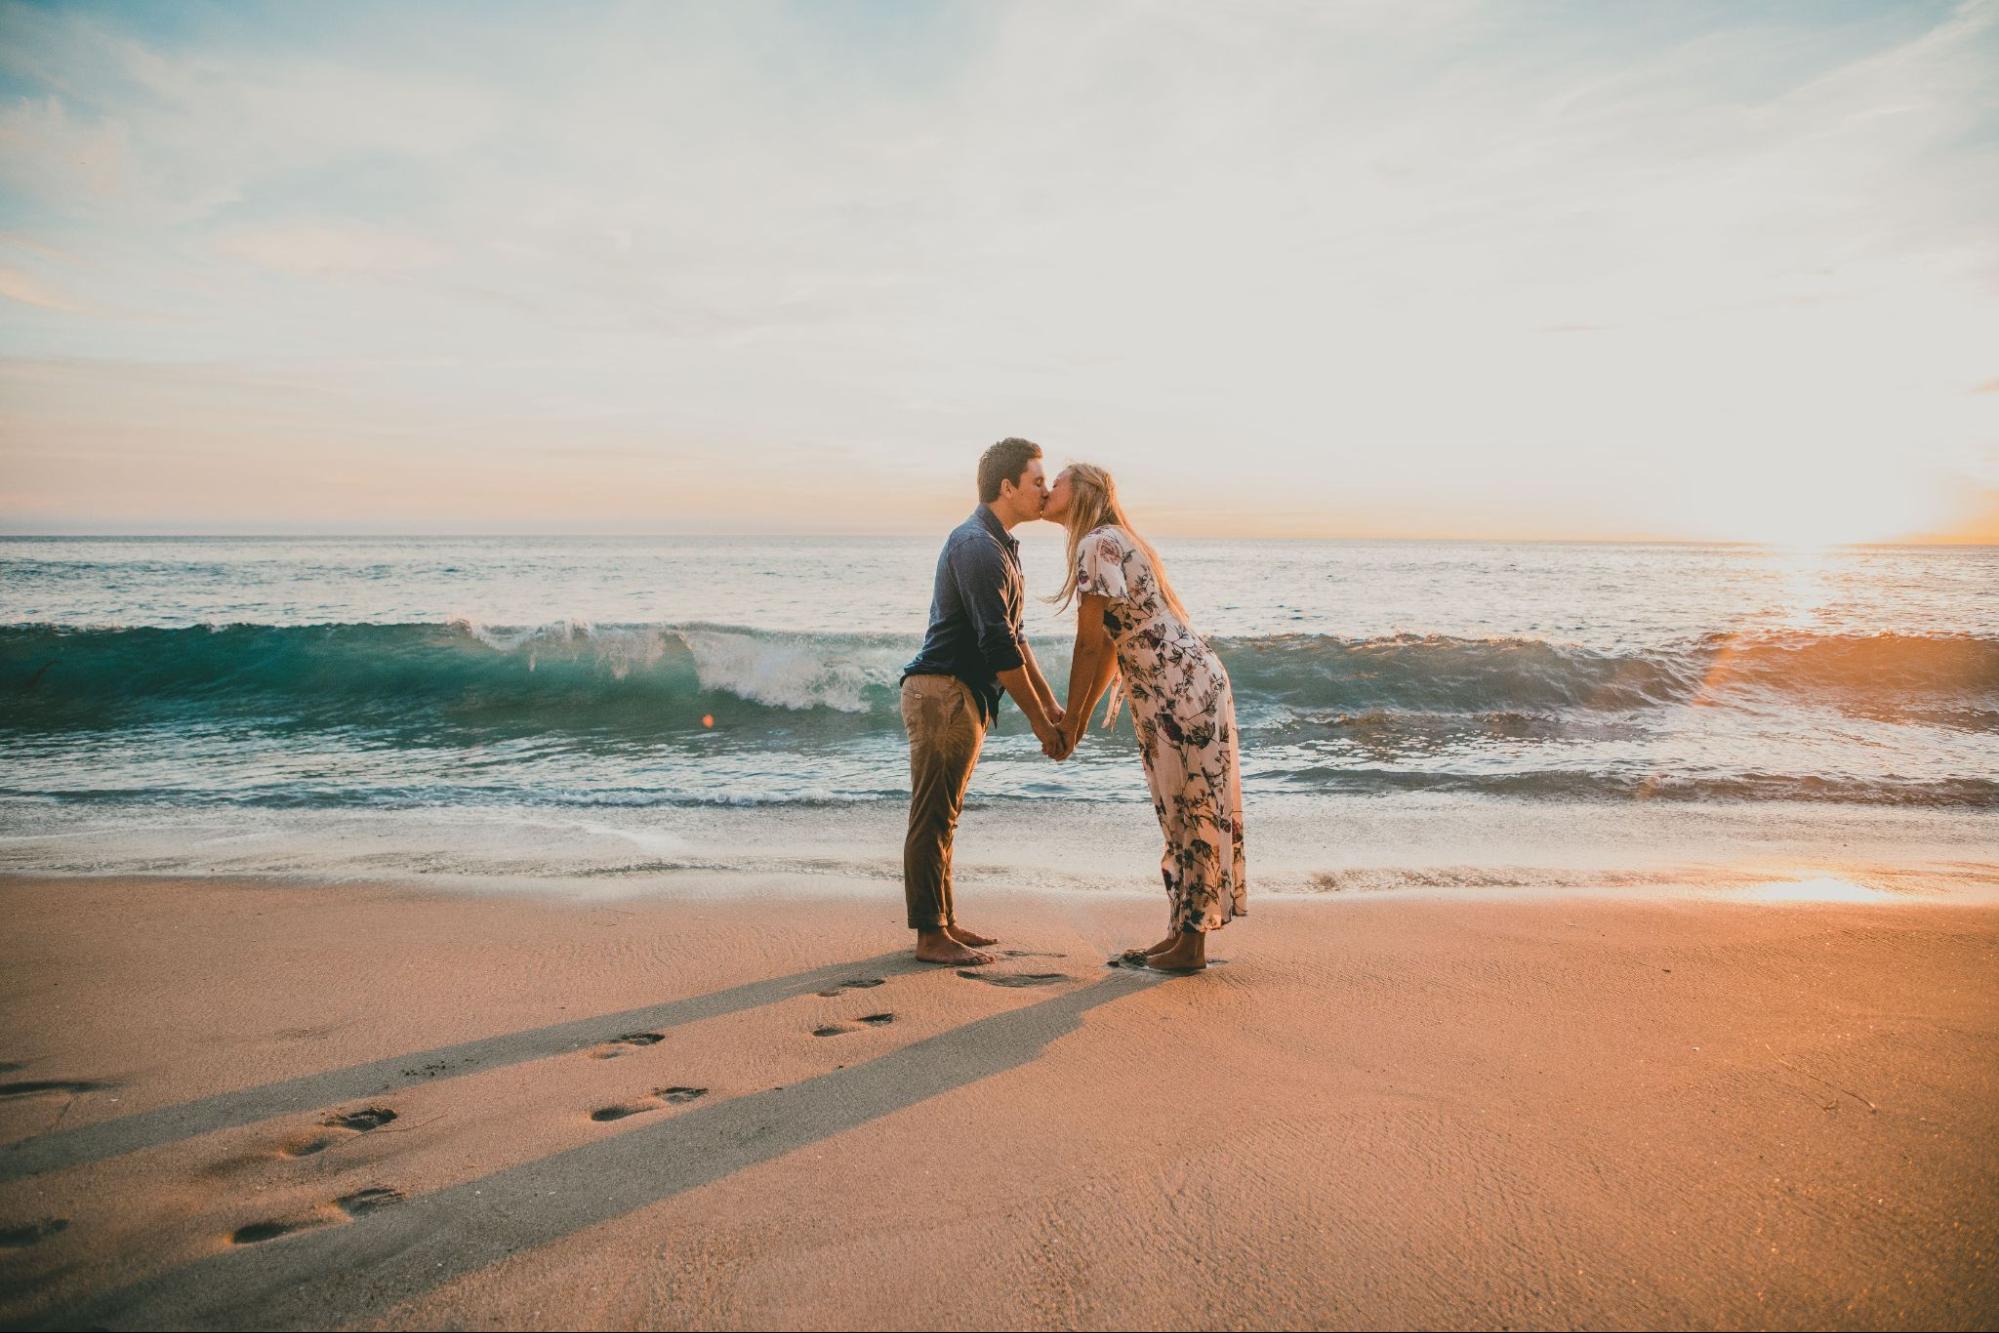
x=971 y=939
x=1188 y=954
x=936 y=946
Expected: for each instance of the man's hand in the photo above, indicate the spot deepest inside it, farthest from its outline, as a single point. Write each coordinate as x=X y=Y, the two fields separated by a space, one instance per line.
x=1051 y=737
x=1054 y=711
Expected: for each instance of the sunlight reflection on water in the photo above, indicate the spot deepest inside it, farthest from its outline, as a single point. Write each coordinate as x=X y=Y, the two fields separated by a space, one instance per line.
x=1825 y=889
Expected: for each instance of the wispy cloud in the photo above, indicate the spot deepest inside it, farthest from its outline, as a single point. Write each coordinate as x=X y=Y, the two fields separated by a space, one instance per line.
x=327 y=248
x=18 y=286
x=1319 y=242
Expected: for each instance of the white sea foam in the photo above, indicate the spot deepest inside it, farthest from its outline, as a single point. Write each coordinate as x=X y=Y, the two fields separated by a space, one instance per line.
x=619 y=649
x=788 y=671
x=500 y=638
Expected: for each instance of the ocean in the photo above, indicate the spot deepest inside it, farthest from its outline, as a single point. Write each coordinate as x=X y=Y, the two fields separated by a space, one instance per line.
x=434 y=697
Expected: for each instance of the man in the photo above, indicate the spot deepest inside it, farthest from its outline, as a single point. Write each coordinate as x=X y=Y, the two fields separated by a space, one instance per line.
x=951 y=692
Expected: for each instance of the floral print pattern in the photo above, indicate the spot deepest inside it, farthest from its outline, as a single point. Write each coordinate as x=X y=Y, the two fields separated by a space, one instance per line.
x=1183 y=710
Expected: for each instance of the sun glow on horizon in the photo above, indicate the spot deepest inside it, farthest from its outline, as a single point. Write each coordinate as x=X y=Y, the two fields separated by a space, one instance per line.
x=1813 y=532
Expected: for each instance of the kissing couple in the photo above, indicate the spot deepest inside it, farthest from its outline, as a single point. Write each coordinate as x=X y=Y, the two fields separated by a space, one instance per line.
x=1133 y=638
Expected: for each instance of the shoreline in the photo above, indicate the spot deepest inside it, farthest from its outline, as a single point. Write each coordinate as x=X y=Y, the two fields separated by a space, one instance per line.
x=1838 y=884
x=1481 y=1111
x=1306 y=846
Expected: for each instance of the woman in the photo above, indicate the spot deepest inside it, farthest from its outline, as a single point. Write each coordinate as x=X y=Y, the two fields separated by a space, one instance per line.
x=1130 y=623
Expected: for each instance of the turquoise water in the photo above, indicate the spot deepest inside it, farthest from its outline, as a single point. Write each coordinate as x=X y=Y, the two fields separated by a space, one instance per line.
x=500 y=682
x=624 y=672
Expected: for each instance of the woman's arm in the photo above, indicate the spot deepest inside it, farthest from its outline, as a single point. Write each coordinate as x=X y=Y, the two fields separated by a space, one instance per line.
x=1090 y=670
x=1040 y=684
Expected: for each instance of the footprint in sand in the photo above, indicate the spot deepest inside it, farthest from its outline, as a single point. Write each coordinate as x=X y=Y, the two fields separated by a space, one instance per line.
x=1016 y=980
x=258 y=1232
x=372 y=1117
x=318 y=1143
x=1131 y=964
x=358 y=1204
x=854 y=983
x=20 y=1238
x=362 y=1202
x=626 y=1043
x=36 y=1087
x=344 y=1124
x=674 y=1096
x=872 y=1020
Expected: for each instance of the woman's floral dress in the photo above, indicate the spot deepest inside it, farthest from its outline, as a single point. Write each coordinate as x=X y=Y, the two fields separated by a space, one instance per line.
x=1184 y=712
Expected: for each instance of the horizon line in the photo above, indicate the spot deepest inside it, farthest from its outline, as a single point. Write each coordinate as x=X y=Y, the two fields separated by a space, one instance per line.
x=1946 y=544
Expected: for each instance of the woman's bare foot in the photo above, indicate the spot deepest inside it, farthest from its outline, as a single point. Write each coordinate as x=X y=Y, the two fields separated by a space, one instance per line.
x=1141 y=955
x=971 y=939
x=937 y=946
x=1188 y=954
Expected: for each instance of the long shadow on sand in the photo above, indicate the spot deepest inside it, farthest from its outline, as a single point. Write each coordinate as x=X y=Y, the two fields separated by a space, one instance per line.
x=352 y=1273
x=316 y=1092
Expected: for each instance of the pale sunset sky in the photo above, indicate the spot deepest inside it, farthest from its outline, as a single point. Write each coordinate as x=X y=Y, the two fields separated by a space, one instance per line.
x=1686 y=271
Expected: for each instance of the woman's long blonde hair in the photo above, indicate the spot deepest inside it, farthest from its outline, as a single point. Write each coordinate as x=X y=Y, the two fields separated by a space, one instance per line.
x=1093 y=503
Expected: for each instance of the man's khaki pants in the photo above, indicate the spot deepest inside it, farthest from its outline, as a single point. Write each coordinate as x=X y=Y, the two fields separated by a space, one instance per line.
x=945 y=734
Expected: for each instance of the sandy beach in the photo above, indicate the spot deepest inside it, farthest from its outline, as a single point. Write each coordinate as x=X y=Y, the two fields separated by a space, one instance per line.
x=257 y=1104
x=547 y=549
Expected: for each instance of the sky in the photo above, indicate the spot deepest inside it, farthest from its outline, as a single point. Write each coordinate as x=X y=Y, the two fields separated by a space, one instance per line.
x=1680 y=271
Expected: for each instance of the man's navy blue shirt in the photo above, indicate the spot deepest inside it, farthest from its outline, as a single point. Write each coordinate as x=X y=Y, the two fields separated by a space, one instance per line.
x=975 y=610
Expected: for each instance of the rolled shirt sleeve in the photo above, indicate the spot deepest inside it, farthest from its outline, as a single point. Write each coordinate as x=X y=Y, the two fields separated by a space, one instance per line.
x=990 y=594
x=976 y=600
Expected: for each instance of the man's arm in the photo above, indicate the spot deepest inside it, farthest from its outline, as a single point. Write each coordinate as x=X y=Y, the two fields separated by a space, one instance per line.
x=981 y=574
x=1047 y=732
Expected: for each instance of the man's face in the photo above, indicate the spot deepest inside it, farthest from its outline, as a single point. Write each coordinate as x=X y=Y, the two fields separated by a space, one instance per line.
x=1028 y=497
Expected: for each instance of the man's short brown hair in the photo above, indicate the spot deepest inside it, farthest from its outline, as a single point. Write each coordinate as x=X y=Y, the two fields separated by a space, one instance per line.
x=1004 y=461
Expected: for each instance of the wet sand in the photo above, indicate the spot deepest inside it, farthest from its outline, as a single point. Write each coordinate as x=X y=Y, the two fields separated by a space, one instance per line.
x=233 y=1103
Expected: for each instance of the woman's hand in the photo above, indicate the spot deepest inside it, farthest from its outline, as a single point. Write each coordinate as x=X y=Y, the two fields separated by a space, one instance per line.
x=1091 y=667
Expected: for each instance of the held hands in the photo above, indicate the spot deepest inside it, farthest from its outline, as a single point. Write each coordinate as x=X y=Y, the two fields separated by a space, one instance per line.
x=1066 y=738
x=1052 y=737
x=1061 y=735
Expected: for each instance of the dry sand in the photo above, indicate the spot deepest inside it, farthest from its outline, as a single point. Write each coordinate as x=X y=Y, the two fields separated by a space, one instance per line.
x=1379 y=1112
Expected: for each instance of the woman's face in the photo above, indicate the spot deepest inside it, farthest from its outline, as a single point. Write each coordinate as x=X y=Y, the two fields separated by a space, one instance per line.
x=1057 y=508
